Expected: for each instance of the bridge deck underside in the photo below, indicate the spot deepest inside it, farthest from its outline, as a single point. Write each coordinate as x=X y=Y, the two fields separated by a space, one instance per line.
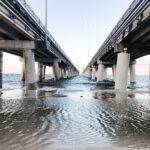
x=9 y=32
x=137 y=42
x=19 y=22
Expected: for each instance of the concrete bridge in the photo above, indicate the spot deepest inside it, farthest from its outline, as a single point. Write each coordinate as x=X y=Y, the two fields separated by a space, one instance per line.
x=23 y=34
x=129 y=40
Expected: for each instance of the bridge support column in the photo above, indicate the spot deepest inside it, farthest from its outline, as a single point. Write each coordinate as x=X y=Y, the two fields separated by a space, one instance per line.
x=63 y=72
x=93 y=73
x=60 y=73
x=132 y=73
x=90 y=72
x=44 y=71
x=100 y=72
x=30 y=77
x=122 y=71
x=56 y=70
x=105 y=73
x=1 y=70
x=41 y=72
x=70 y=72
x=23 y=70
x=67 y=73
x=114 y=72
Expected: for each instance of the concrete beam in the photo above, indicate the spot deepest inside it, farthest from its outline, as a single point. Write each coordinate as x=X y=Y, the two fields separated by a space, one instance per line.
x=17 y=44
x=140 y=34
x=118 y=47
x=137 y=46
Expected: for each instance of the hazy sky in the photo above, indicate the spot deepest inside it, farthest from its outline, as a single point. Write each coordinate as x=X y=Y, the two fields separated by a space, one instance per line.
x=78 y=26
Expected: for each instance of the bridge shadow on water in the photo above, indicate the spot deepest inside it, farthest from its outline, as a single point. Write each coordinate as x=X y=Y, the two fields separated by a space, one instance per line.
x=74 y=118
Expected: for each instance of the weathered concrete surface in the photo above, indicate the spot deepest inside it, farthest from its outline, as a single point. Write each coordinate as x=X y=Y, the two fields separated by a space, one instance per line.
x=23 y=70
x=132 y=73
x=1 y=69
x=122 y=71
x=93 y=73
x=30 y=77
x=56 y=70
x=100 y=72
x=17 y=44
x=41 y=72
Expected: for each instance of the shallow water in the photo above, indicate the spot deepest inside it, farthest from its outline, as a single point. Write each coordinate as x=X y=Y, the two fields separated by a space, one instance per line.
x=75 y=121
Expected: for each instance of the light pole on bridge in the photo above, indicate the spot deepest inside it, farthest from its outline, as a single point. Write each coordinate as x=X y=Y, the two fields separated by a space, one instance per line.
x=46 y=14
x=46 y=10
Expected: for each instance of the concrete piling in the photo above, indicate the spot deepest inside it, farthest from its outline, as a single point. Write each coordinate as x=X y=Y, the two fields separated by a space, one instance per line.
x=93 y=73
x=114 y=72
x=41 y=72
x=1 y=70
x=122 y=71
x=56 y=70
x=23 y=70
x=30 y=77
x=100 y=72
x=132 y=73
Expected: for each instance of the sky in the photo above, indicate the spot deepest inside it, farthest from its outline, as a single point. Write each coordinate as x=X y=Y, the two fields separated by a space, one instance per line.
x=79 y=26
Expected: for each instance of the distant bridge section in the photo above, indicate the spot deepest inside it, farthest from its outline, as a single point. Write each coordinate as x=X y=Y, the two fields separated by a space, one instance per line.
x=130 y=39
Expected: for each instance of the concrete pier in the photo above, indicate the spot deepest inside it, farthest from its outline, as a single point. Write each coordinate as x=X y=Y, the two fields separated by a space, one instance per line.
x=1 y=70
x=100 y=72
x=89 y=73
x=105 y=73
x=56 y=70
x=23 y=70
x=122 y=71
x=30 y=77
x=93 y=73
x=63 y=72
x=114 y=72
x=132 y=73
x=67 y=73
x=41 y=72
x=44 y=71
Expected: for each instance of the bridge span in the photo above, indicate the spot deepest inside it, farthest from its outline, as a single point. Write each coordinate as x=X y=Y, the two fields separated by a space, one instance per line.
x=129 y=40
x=23 y=34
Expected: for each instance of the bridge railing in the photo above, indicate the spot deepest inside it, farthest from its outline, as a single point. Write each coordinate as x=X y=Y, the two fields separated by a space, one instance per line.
x=42 y=26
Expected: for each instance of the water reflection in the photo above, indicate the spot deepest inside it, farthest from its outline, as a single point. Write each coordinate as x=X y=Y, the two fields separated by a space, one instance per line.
x=74 y=121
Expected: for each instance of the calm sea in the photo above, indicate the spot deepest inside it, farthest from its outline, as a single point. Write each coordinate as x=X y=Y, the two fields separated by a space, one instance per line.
x=73 y=118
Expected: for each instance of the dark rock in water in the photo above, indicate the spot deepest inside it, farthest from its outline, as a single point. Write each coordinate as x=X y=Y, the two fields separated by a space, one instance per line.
x=131 y=87
x=105 y=95
x=49 y=82
x=131 y=95
x=59 y=95
x=106 y=83
x=46 y=92
x=81 y=96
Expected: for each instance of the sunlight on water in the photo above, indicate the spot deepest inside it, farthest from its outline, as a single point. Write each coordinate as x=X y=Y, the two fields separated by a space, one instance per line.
x=78 y=120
